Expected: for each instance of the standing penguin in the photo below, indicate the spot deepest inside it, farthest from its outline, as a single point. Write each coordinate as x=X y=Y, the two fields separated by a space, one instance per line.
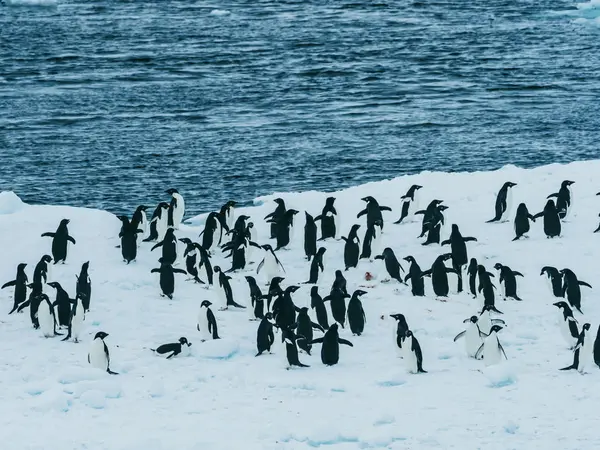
x=415 y=275
x=508 y=279
x=76 y=320
x=472 y=272
x=204 y=266
x=328 y=218
x=585 y=345
x=264 y=335
x=60 y=240
x=435 y=225
x=211 y=225
x=401 y=330
x=571 y=288
x=284 y=228
x=491 y=349
x=158 y=223
x=372 y=239
x=339 y=283
x=351 y=247
x=356 y=313
x=207 y=323
x=568 y=324
x=410 y=202
x=315 y=265
x=486 y=286
x=439 y=276
x=330 y=350
x=225 y=291
x=459 y=252
x=291 y=350
x=338 y=305
x=392 y=265
x=373 y=211
x=428 y=214
x=128 y=234
x=597 y=348
x=167 y=277
x=284 y=310
x=310 y=236
x=40 y=273
x=413 y=356
x=304 y=328
x=473 y=336
x=62 y=303
x=552 y=226
x=191 y=259
x=316 y=303
x=139 y=220
x=257 y=299
x=503 y=203
x=20 y=284
x=99 y=356
x=169 y=247
x=176 y=208
x=271 y=264
x=486 y=321
x=274 y=291
x=279 y=212
x=83 y=287
x=46 y=317
x=522 y=221
x=238 y=248
x=564 y=199
x=227 y=213
x=554 y=280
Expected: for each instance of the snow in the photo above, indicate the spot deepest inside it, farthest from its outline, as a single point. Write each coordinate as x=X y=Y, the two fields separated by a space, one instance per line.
x=223 y=397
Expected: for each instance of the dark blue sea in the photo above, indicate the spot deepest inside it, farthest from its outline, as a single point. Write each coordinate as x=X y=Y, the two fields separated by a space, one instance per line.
x=108 y=103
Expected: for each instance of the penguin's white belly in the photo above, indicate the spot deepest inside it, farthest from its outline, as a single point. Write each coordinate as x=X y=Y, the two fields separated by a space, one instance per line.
x=506 y=214
x=203 y=324
x=222 y=296
x=161 y=226
x=249 y=253
x=585 y=353
x=376 y=244
x=485 y=323
x=230 y=218
x=292 y=234
x=97 y=356
x=491 y=351
x=414 y=207
x=77 y=323
x=271 y=267
x=178 y=211
x=46 y=320
x=410 y=358
x=336 y=221
x=472 y=340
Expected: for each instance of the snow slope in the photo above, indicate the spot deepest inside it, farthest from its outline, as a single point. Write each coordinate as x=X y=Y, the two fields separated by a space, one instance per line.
x=222 y=397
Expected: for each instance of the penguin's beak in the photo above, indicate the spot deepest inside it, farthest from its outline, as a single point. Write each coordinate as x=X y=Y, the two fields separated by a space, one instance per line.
x=467 y=320
x=556 y=304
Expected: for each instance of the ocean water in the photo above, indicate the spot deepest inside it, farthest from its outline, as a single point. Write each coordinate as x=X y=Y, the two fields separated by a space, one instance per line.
x=108 y=103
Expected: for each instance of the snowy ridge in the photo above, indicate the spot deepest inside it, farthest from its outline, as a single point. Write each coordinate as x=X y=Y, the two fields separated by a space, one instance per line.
x=222 y=397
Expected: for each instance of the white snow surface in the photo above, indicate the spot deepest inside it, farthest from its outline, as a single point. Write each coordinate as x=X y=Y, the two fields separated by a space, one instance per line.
x=223 y=397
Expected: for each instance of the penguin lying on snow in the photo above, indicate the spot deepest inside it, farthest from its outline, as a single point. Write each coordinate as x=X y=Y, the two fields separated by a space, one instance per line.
x=173 y=349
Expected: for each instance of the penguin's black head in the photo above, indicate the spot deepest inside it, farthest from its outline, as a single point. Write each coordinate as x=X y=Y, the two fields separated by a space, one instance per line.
x=436 y=202
x=85 y=266
x=510 y=184
x=205 y=304
x=338 y=274
x=21 y=266
x=472 y=319
x=309 y=218
x=368 y=199
x=47 y=258
x=267 y=247
x=269 y=316
x=216 y=269
x=586 y=326
x=279 y=201
x=446 y=256
x=355 y=227
x=417 y=187
x=64 y=222
x=303 y=310
x=314 y=290
x=277 y=280
x=250 y=279
x=123 y=218
x=550 y=204
x=172 y=191
x=567 y=183
x=408 y=333
x=185 y=240
x=163 y=205
x=565 y=272
x=409 y=259
x=480 y=269
x=54 y=284
x=329 y=201
x=321 y=250
x=359 y=293
x=231 y=203
x=498 y=266
x=184 y=341
x=292 y=289
x=495 y=328
x=443 y=207
x=244 y=217
x=560 y=305
x=142 y=208
x=101 y=335
x=333 y=328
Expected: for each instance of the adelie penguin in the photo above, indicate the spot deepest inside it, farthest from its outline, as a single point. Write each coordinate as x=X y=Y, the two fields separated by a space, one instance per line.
x=315 y=265
x=572 y=288
x=227 y=213
x=503 y=203
x=238 y=248
x=435 y=225
x=473 y=336
x=211 y=225
x=410 y=202
x=176 y=208
x=76 y=320
x=46 y=317
x=274 y=291
x=99 y=356
x=392 y=265
x=330 y=350
x=351 y=247
x=339 y=283
x=139 y=220
x=491 y=349
x=486 y=321
x=472 y=273
x=458 y=249
x=428 y=214
x=257 y=299
x=400 y=332
x=552 y=226
x=191 y=259
x=158 y=223
x=167 y=277
x=264 y=335
x=522 y=221
x=204 y=266
x=169 y=247
x=20 y=284
x=372 y=240
x=207 y=323
x=275 y=215
x=62 y=303
x=554 y=278
x=224 y=290
x=584 y=350
x=328 y=218
x=173 y=349
x=128 y=235
x=568 y=324
x=316 y=303
x=413 y=355
x=356 y=313
x=291 y=350
x=310 y=236
x=270 y=263
x=284 y=310
x=338 y=305
x=304 y=328
x=415 y=275
x=373 y=211
x=508 y=280
x=439 y=276
x=284 y=229
x=486 y=286
x=60 y=240
x=564 y=199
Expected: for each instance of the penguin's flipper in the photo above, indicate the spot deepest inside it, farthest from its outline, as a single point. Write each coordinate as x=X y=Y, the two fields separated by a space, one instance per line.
x=470 y=239
x=345 y=342
x=446 y=242
x=459 y=335
x=384 y=208
x=8 y=284
x=49 y=235
x=316 y=341
x=479 y=351
x=541 y=214
x=583 y=283
x=260 y=266
x=553 y=195
x=518 y=274
x=180 y=271
x=158 y=244
x=502 y=349
x=70 y=238
x=362 y=213
x=155 y=271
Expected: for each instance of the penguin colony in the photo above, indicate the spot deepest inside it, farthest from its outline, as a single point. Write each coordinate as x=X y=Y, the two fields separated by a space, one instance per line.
x=272 y=304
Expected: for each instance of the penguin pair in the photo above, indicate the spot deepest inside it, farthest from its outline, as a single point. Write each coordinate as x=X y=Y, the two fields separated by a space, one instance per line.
x=284 y=227
x=491 y=349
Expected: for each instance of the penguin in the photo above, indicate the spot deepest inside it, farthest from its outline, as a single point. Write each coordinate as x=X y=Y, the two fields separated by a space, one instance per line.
x=225 y=291
x=371 y=241
x=439 y=276
x=458 y=250
x=40 y=273
x=392 y=265
x=264 y=335
x=279 y=212
x=227 y=213
x=351 y=247
x=415 y=275
x=99 y=356
x=284 y=310
x=486 y=286
x=240 y=223
x=585 y=345
x=315 y=265
x=503 y=203
x=20 y=284
x=413 y=356
x=250 y=237
x=554 y=280
x=568 y=324
x=211 y=225
x=410 y=201
x=598 y=227
x=491 y=349
x=330 y=350
x=316 y=303
x=46 y=317
x=473 y=336
x=435 y=225
x=291 y=350
x=169 y=247
x=552 y=225
x=270 y=262
x=338 y=298
x=128 y=234
x=176 y=208
x=401 y=329
x=158 y=223
x=191 y=259
x=167 y=277
x=257 y=299
x=284 y=228
x=597 y=348
x=508 y=279
x=339 y=283
x=428 y=214
x=472 y=272
x=207 y=323
x=328 y=218
x=522 y=221
x=238 y=248
x=310 y=236
x=304 y=328
x=373 y=211
x=485 y=321
x=564 y=199
x=62 y=303
x=34 y=302
x=139 y=220
x=204 y=266
x=356 y=313
x=173 y=349
x=572 y=289
x=60 y=240
x=274 y=291
x=76 y=319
